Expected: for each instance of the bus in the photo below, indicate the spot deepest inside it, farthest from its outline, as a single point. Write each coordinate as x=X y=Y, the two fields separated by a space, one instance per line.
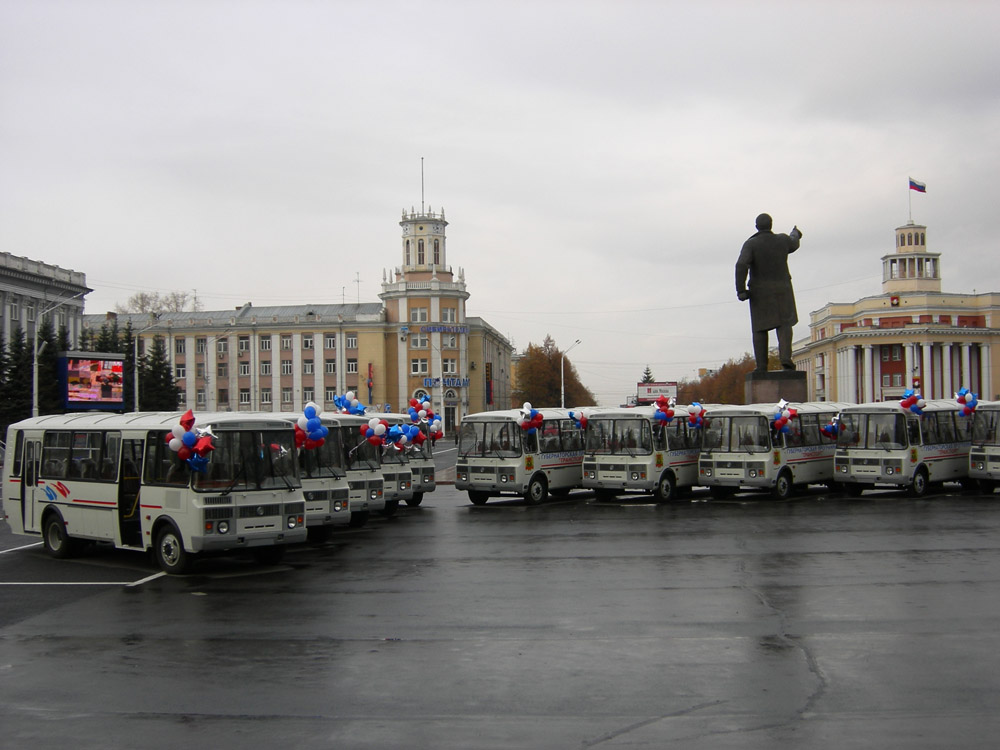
x=362 y=462
x=420 y=456
x=325 y=487
x=984 y=455
x=496 y=457
x=882 y=443
x=629 y=451
x=113 y=478
x=741 y=449
x=397 y=478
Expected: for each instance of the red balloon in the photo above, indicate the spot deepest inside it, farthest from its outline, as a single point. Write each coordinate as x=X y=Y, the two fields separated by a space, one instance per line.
x=204 y=445
x=184 y=453
x=187 y=421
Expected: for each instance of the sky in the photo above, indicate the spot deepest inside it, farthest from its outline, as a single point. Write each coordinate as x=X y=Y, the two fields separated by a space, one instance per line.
x=600 y=162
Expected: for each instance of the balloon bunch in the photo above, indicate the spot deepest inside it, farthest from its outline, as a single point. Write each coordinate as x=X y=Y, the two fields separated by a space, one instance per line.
x=310 y=432
x=968 y=400
x=400 y=434
x=696 y=415
x=782 y=416
x=831 y=430
x=347 y=404
x=531 y=419
x=375 y=430
x=913 y=401
x=420 y=411
x=664 y=410
x=580 y=417
x=190 y=446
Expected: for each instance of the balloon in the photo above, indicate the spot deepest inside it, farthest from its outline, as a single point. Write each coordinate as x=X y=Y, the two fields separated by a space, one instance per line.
x=175 y=444
x=184 y=453
x=204 y=445
x=349 y=396
x=309 y=411
x=178 y=431
x=373 y=422
x=189 y=439
x=302 y=423
x=380 y=428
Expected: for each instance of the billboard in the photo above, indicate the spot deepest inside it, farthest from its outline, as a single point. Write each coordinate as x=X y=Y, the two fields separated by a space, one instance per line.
x=647 y=393
x=92 y=381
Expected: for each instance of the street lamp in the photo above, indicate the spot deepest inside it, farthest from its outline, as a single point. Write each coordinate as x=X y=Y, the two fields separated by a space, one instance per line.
x=38 y=349
x=562 y=378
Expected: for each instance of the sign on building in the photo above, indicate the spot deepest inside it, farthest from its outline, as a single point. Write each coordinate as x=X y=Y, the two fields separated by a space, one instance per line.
x=647 y=393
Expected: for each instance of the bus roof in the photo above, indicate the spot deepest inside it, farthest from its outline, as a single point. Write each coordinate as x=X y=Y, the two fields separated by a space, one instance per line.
x=883 y=407
x=514 y=415
x=160 y=420
x=768 y=410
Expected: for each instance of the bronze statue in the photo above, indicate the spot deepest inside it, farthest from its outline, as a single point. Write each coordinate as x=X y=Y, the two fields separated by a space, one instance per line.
x=772 y=303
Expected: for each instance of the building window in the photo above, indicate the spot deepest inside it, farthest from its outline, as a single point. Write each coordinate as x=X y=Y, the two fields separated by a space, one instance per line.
x=418 y=315
x=200 y=345
x=885 y=355
x=265 y=368
x=222 y=346
x=286 y=395
x=243 y=344
x=223 y=396
x=244 y=396
x=222 y=370
x=286 y=367
x=307 y=368
x=449 y=341
x=897 y=379
x=331 y=394
x=885 y=381
x=407 y=252
x=244 y=368
x=15 y=310
x=29 y=312
x=449 y=366
x=449 y=315
x=437 y=252
x=199 y=397
x=352 y=365
x=179 y=346
x=307 y=342
x=419 y=341
x=420 y=252
x=308 y=394
x=199 y=370
x=330 y=366
x=265 y=344
x=265 y=395
x=286 y=341
x=897 y=352
x=181 y=399
x=418 y=366
x=352 y=341
x=330 y=340
x=180 y=372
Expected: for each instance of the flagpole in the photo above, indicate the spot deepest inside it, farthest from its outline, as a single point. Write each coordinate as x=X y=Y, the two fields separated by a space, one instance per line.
x=909 y=200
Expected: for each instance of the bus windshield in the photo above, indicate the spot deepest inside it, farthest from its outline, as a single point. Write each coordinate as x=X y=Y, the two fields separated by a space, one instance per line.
x=874 y=431
x=499 y=439
x=750 y=434
x=629 y=437
x=984 y=427
x=249 y=460
x=358 y=452
x=392 y=454
x=424 y=449
x=326 y=460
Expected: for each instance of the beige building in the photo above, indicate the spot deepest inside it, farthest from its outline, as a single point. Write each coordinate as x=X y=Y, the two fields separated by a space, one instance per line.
x=912 y=335
x=418 y=340
x=31 y=291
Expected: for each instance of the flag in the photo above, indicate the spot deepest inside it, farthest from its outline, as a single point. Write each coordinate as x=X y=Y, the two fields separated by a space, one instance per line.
x=920 y=187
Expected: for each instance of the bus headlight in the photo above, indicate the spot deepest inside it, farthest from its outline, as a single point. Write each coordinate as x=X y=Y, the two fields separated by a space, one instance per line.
x=223 y=527
x=404 y=485
x=753 y=473
x=707 y=472
x=888 y=470
x=503 y=479
x=373 y=494
x=980 y=465
x=339 y=505
x=294 y=521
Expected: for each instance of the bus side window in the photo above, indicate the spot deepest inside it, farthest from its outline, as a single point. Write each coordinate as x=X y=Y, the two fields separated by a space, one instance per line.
x=810 y=428
x=15 y=470
x=913 y=431
x=531 y=442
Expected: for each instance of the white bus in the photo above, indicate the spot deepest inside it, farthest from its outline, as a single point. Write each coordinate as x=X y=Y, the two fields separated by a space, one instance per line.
x=628 y=450
x=113 y=478
x=362 y=461
x=496 y=457
x=984 y=455
x=742 y=449
x=884 y=444
x=323 y=470
x=421 y=460
x=397 y=479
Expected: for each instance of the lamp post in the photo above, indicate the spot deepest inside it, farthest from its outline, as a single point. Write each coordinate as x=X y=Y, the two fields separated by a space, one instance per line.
x=562 y=377
x=39 y=349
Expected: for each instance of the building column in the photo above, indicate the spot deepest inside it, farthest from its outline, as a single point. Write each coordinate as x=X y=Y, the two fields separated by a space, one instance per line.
x=927 y=376
x=985 y=372
x=852 y=374
x=946 y=389
x=869 y=390
x=908 y=365
x=965 y=381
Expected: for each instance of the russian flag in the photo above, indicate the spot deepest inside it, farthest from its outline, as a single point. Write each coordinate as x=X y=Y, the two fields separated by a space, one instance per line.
x=920 y=187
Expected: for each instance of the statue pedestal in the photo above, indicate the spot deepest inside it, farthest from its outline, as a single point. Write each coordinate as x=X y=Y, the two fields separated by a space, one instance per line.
x=771 y=387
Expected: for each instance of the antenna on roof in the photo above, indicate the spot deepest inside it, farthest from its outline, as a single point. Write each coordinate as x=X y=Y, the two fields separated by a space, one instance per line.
x=421 y=184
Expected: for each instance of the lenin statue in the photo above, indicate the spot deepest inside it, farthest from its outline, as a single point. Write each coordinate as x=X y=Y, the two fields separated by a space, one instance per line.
x=772 y=304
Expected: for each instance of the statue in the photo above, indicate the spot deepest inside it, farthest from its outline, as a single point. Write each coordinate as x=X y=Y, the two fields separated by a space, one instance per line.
x=772 y=303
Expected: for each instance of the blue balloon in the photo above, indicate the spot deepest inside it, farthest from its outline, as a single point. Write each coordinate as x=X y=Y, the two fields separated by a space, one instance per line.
x=310 y=412
x=314 y=424
x=189 y=439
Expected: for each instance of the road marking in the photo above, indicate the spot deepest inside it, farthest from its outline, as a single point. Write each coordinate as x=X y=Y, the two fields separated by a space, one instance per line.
x=16 y=549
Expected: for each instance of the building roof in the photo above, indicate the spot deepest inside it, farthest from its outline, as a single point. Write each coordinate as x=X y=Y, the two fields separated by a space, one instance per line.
x=247 y=315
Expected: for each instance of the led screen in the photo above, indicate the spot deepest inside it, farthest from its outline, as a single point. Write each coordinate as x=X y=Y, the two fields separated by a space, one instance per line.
x=93 y=383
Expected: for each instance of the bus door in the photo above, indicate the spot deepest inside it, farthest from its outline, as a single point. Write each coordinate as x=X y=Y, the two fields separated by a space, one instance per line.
x=31 y=493
x=129 y=515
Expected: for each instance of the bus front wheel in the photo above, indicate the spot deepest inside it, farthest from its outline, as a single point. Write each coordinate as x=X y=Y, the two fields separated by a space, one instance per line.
x=169 y=551
x=918 y=486
x=538 y=490
x=666 y=489
x=782 y=486
x=414 y=501
x=57 y=541
x=478 y=498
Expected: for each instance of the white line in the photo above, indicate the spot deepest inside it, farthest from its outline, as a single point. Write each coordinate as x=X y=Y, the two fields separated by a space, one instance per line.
x=147 y=579
x=16 y=549
x=64 y=583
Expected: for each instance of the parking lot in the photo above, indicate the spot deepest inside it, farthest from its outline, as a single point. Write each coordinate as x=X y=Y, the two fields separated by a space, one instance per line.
x=823 y=621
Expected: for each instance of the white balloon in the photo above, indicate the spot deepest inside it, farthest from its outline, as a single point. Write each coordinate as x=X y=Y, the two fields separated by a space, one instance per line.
x=527 y=406
x=175 y=444
x=302 y=423
x=379 y=427
x=349 y=396
x=178 y=431
x=422 y=414
x=373 y=422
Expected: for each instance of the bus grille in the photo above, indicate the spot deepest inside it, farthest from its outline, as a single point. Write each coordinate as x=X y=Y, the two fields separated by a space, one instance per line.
x=259 y=511
x=218 y=514
x=216 y=500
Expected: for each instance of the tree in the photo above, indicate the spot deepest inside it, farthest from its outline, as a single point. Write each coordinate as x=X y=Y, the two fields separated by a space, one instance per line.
x=157 y=390
x=50 y=400
x=647 y=376
x=15 y=388
x=538 y=378
x=724 y=386
x=156 y=303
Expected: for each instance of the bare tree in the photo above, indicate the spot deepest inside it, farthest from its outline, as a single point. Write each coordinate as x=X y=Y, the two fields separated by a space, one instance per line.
x=153 y=302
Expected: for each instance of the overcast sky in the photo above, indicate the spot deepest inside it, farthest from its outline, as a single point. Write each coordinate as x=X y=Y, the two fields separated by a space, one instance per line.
x=600 y=162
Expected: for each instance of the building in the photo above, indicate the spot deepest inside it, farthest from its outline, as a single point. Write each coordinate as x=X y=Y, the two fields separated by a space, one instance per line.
x=417 y=341
x=31 y=290
x=912 y=335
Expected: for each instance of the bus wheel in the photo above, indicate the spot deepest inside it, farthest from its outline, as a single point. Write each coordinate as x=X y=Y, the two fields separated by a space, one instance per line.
x=853 y=489
x=918 y=487
x=782 y=489
x=721 y=492
x=537 y=491
x=986 y=486
x=391 y=506
x=169 y=551
x=414 y=501
x=666 y=489
x=358 y=519
x=319 y=534
x=478 y=498
x=270 y=555
x=57 y=541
